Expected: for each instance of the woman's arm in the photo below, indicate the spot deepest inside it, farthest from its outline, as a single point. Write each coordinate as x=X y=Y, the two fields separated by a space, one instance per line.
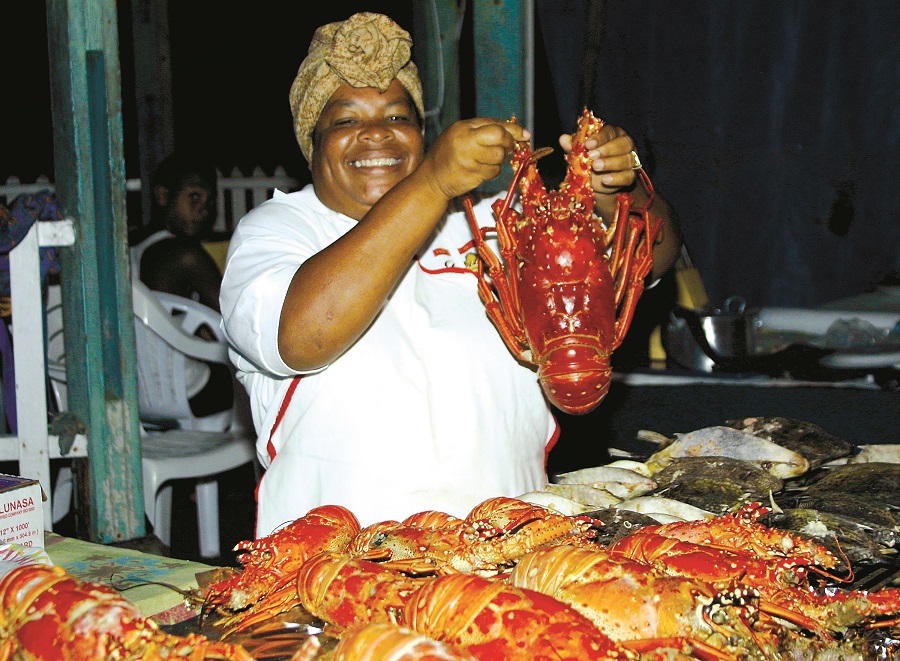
x=336 y=294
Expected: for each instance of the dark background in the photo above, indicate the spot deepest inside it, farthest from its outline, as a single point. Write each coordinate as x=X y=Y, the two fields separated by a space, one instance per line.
x=771 y=127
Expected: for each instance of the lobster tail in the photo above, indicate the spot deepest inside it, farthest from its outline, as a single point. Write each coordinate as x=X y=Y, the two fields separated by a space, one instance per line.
x=393 y=643
x=575 y=377
x=492 y=620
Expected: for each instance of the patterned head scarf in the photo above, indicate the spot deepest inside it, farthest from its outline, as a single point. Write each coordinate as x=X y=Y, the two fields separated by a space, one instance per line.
x=366 y=50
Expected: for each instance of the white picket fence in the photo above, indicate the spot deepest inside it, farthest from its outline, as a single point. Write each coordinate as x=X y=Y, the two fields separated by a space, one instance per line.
x=237 y=192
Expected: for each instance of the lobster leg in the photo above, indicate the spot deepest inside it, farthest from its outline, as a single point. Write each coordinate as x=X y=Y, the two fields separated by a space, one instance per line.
x=617 y=230
x=500 y=304
x=633 y=285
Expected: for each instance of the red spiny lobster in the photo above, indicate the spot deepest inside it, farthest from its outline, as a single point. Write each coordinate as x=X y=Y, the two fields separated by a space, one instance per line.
x=387 y=642
x=742 y=531
x=348 y=592
x=490 y=620
x=489 y=540
x=496 y=533
x=781 y=581
x=270 y=564
x=564 y=295
x=634 y=604
x=47 y=614
x=472 y=615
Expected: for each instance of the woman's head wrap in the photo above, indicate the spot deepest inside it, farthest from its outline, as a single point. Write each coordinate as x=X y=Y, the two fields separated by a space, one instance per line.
x=366 y=50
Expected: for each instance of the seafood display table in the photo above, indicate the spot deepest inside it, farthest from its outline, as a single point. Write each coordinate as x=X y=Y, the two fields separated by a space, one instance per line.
x=678 y=401
x=142 y=578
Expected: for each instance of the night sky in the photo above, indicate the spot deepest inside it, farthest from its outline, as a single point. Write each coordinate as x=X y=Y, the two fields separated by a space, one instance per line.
x=231 y=74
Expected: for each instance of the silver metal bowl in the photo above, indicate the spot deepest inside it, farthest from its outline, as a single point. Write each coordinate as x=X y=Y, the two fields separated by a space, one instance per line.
x=701 y=339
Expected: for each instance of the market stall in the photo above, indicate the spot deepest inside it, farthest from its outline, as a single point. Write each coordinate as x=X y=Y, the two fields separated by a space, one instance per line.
x=768 y=570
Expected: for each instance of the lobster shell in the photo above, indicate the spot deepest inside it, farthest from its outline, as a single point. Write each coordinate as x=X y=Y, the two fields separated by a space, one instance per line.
x=564 y=294
x=46 y=614
x=387 y=642
x=492 y=620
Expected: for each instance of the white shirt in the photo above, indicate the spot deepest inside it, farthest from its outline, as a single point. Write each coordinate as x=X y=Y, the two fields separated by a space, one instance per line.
x=427 y=410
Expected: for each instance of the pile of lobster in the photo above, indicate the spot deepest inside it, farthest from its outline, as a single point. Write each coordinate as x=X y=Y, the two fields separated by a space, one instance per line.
x=515 y=580
x=512 y=580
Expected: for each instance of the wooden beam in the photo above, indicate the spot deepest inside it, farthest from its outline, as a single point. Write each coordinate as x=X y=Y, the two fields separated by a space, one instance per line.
x=504 y=63
x=436 y=54
x=96 y=284
x=152 y=91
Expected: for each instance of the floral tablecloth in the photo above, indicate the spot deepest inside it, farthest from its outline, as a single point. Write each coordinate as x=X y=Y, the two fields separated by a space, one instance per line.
x=150 y=582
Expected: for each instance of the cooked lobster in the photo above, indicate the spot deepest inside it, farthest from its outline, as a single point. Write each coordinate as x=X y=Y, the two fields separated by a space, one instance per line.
x=47 y=614
x=270 y=564
x=632 y=602
x=565 y=292
x=780 y=573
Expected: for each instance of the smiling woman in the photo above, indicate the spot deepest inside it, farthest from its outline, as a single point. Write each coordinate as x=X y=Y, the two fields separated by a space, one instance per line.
x=365 y=142
x=324 y=284
x=377 y=381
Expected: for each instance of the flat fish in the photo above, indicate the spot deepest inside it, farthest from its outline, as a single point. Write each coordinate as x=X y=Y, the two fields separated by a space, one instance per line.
x=668 y=507
x=882 y=521
x=617 y=523
x=877 y=480
x=584 y=494
x=756 y=480
x=853 y=539
x=727 y=442
x=632 y=465
x=716 y=495
x=888 y=453
x=805 y=438
x=620 y=482
x=557 y=503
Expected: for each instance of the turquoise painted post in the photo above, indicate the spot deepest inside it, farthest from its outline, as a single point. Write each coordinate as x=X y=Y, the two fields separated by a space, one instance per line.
x=96 y=284
x=504 y=63
x=436 y=53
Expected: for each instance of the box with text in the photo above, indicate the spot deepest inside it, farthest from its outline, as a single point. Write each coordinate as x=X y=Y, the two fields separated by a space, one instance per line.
x=21 y=511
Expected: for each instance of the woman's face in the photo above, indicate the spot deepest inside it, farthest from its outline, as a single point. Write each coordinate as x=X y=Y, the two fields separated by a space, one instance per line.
x=365 y=143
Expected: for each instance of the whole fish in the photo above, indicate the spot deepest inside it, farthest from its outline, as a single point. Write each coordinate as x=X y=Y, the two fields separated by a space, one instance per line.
x=723 y=441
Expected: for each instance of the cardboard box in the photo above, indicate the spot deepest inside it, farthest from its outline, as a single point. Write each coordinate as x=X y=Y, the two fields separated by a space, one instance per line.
x=21 y=511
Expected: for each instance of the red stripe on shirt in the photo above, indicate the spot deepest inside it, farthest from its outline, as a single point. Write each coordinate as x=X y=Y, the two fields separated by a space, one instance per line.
x=270 y=447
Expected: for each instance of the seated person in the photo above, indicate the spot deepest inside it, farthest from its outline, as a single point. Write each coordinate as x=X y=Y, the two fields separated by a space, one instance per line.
x=172 y=259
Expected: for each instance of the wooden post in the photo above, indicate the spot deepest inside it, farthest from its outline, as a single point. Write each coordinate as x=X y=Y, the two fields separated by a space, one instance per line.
x=152 y=91
x=504 y=64
x=96 y=285
x=436 y=54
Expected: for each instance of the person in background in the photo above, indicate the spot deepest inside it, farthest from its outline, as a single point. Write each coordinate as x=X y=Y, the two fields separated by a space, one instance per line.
x=376 y=380
x=172 y=259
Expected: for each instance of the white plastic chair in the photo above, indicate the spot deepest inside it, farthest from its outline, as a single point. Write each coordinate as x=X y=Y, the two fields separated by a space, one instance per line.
x=178 y=453
x=172 y=361
x=167 y=352
x=186 y=454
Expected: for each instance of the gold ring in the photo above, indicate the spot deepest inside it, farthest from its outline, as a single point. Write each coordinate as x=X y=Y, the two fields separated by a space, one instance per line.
x=635 y=161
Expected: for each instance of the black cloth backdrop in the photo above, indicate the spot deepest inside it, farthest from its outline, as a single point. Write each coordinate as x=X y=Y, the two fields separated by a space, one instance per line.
x=772 y=127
